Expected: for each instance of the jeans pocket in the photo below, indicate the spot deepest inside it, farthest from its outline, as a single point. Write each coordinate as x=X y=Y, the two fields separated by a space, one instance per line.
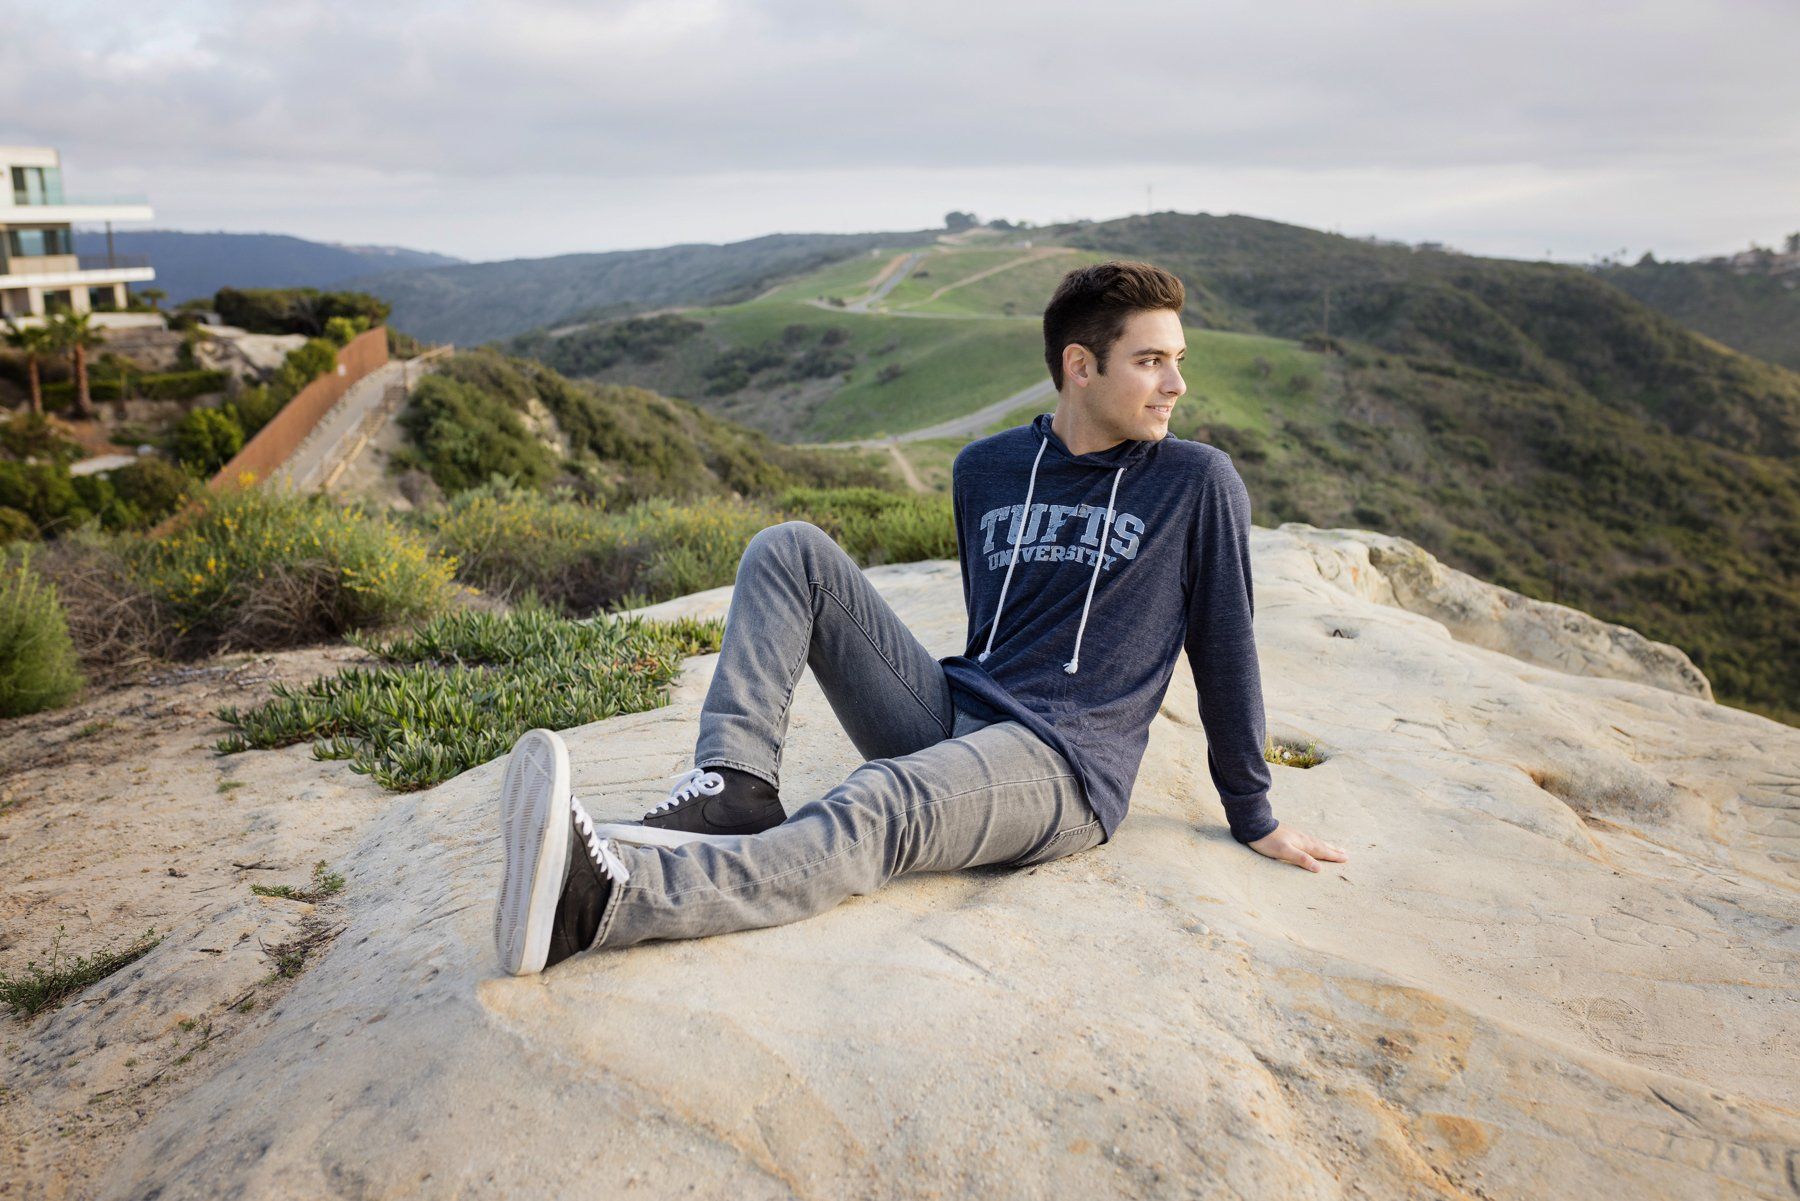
x=1063 y=842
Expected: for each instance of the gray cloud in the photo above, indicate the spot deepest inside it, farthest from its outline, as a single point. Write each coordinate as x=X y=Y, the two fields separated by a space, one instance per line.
x=490 y=129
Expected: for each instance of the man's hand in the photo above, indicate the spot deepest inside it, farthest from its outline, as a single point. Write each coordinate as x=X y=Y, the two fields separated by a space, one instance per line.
x=1292 y=846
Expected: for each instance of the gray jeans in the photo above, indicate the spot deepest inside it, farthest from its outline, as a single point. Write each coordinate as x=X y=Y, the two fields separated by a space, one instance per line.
x=942 y=790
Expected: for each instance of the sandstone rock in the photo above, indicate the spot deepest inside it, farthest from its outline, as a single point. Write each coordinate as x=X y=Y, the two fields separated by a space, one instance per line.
x=1561 y=961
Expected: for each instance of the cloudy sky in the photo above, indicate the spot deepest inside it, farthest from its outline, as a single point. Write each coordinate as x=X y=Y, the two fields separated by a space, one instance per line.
x=512 y=128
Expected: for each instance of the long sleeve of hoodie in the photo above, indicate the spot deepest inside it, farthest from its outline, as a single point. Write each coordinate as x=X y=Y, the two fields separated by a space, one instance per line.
x=1221 y=649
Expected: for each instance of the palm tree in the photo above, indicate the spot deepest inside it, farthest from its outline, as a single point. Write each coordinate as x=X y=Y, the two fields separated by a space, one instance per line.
x=36 y=342
x=152 y=297
x=74 y=335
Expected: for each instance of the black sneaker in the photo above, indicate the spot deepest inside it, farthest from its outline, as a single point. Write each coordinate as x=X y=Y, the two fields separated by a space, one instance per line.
x=559 y=873
x=707 y=804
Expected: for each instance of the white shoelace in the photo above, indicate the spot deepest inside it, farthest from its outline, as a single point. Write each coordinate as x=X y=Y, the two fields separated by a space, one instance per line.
x=599 y=849
x=690 y=784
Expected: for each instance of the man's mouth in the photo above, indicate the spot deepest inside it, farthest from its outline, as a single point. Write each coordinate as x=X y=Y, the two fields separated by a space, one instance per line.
x=1163 y=409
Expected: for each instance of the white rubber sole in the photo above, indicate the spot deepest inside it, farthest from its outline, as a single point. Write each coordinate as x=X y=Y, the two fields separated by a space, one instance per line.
x=650 y=836
x=534 y=824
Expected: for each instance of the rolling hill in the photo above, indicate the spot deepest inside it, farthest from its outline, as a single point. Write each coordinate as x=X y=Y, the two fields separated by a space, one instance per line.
x=1757 y=314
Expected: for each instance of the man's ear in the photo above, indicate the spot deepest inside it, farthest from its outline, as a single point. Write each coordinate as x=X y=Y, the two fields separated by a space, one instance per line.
x=1078 y=364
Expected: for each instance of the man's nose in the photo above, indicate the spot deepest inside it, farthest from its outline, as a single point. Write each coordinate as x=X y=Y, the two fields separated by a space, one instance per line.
x=1174 y=385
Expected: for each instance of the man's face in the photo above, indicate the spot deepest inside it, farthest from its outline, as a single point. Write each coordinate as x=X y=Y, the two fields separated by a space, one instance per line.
x=1135 y=396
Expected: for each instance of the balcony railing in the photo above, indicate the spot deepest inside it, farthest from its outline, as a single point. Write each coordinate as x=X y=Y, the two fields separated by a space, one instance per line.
x=109 y=262
x=36 y=199
x=57 y=264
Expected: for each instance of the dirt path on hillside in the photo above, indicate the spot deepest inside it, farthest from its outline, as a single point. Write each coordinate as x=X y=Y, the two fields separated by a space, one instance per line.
x=1042 y=252
x=966 y=426
x=906 y=469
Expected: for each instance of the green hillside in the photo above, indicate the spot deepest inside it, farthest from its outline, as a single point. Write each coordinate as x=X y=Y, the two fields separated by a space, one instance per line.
x=484 y=413
x=1757 y=314
x=806 y=373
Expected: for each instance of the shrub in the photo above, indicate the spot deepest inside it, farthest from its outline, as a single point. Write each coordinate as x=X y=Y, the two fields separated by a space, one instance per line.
x=206 y=439
x=116 y=624
x=465 y=434
x=31 y=436
x=510 y=542
x=15 y=526
x=43 y=492
x=879 y=527
x=153 y=488
x=120 y=385
x=258 y=569
x=294 y=310
x=37 y=660
x=342 y=330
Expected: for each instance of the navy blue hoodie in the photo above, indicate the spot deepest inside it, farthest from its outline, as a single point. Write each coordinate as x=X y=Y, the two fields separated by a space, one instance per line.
x=1086 y=641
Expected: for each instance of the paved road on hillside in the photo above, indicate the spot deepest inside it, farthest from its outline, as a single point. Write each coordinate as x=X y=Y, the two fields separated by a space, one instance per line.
x=966 y=426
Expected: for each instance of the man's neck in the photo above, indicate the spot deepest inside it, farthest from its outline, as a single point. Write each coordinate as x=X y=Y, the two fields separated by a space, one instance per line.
x=1081 y=437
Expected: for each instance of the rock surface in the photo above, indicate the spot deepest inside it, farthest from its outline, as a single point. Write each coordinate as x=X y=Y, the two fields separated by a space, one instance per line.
x=1561 y=962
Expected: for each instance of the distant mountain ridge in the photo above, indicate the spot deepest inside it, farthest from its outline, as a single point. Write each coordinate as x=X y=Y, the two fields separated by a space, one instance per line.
x=192 y=265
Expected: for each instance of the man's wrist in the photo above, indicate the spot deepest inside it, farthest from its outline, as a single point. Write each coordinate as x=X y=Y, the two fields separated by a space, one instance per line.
x=1250 y=832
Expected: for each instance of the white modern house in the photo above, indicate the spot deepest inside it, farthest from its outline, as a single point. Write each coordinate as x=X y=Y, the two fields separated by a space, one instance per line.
x=39 y=269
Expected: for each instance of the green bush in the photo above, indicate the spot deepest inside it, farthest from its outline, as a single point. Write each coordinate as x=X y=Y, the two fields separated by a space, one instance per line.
x=340 y=331
x=31 y=436
x=44 y=492
x=153 y=488
x=112 y=385
x=37 y=659
x=582 y=558
x=15 y=526
x=259 y=569
x=206 y=439
x=465 y=434
x=879 y=527
x=511 y=542
x=294 y=310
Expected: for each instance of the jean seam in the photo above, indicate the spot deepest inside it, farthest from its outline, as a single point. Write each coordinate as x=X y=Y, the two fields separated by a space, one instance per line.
x=905 y=683
x=743 y=767
x=885 y=821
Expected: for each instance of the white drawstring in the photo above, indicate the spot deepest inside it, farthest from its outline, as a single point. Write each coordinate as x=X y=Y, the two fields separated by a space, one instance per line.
x=599 y=849
x=1018 y=537
x=1074 y=665
x=690 y=784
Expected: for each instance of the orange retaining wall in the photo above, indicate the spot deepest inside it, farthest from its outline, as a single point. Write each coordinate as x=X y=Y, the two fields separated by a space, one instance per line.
x=289 y=428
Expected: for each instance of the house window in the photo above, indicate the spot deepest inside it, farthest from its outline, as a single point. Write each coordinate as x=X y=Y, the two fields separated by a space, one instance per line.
x=32 y=243
x=37 y=185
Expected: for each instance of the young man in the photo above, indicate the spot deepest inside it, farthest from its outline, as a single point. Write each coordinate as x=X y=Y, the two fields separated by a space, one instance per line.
x=1093 y=547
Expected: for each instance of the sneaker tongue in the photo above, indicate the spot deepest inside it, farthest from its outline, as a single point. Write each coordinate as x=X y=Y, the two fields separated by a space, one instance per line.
x=584 y=895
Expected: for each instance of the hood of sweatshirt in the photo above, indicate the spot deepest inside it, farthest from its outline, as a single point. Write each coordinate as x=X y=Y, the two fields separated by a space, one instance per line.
x=1125 y=454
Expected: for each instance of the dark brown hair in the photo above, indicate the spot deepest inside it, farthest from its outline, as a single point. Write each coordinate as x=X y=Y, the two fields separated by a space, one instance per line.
x=1092 y=304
